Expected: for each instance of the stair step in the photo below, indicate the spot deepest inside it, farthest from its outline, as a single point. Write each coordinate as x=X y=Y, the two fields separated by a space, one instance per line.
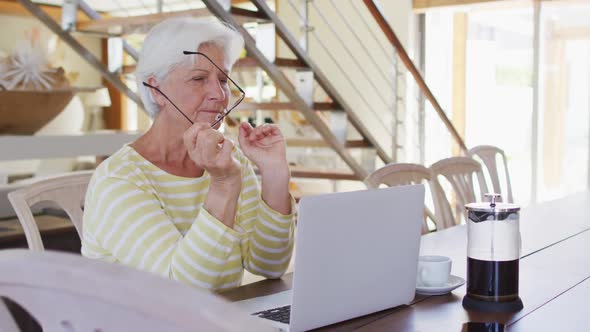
x=249 y=62
x=246 y=13
x=276 y=106
x=246 y=63
x=322 y=173
x=319 y=143
x=130 y=24
x=319 y=173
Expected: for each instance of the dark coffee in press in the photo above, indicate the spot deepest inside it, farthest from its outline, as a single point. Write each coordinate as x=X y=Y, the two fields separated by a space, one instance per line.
x=492 y=281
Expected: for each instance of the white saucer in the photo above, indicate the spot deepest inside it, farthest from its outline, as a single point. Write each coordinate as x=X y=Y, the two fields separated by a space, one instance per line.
x=451 y=284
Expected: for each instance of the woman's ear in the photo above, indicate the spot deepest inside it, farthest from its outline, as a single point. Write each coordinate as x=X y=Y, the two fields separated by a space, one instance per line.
x=158 y=98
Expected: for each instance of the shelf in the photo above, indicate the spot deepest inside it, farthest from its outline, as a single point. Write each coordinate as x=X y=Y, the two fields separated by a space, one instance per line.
x=100 y=143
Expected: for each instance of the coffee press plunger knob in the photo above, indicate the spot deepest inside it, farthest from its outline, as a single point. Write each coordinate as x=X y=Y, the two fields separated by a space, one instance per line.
x=493 y=197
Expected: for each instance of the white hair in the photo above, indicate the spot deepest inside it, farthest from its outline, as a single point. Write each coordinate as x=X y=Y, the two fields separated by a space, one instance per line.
x=163 y=46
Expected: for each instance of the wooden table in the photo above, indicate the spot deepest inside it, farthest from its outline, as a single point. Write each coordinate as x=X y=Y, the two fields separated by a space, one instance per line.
x=57 y=232
x=554 y=278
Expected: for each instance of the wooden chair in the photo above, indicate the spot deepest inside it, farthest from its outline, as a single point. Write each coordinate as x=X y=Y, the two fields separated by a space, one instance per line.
x=488 y=154
x=80 y=294
x=459 y=172
x=399 y=174
x=67 y=191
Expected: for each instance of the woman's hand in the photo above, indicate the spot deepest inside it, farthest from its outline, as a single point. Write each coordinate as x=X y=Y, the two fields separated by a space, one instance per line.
x=210 y=150
x=264 y=146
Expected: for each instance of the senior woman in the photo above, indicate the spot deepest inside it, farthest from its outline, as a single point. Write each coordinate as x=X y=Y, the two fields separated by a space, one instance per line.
x=182 y=201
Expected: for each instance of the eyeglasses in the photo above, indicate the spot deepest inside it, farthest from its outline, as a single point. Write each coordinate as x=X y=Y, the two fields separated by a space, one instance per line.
x=219 y=117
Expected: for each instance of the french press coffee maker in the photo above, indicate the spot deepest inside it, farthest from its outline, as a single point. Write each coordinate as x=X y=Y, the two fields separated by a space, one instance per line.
x=493 y=252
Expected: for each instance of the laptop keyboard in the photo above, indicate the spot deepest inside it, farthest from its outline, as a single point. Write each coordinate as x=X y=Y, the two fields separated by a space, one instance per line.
x=281 y=314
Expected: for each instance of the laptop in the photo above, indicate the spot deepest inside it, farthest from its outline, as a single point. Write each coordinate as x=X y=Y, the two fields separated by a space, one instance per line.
x=357 y=253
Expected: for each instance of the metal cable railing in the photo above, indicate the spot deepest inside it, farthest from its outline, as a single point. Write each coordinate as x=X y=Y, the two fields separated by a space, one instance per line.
x=359 y=40
x=392 y=79
x=357 y=10
x=344 y=72
x=392 y=55
x=347 y=48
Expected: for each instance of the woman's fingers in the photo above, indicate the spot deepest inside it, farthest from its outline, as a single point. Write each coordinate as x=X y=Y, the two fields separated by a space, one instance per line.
x=190 y=135
x=208 y=143
x=258 y=133
x=225 y=153
x=210 y=150
x=265 y=130
x=245 y=130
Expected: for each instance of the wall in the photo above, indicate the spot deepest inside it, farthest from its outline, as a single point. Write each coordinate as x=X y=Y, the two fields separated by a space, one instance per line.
x=13 y=29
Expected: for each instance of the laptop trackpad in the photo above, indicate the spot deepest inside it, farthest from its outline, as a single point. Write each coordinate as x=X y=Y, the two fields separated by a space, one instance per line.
x=265 y=302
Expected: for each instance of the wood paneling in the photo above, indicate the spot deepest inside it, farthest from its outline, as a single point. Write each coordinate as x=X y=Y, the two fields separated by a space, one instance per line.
x=114 y=115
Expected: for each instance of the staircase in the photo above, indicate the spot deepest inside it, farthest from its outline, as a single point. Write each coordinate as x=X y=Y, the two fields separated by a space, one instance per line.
x=340 y=101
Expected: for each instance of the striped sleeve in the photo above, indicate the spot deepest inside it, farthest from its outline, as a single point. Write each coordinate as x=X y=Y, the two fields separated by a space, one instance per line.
x=131 y=224
x=267 y=246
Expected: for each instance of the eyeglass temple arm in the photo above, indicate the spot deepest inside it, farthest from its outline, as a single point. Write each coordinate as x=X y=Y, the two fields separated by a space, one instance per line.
x=171 y=102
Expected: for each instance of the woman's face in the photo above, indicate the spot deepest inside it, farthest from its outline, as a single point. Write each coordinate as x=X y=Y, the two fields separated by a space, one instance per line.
x=200 y=90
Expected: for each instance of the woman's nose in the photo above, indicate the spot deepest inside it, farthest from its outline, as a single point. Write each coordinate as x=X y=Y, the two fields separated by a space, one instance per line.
x=216 y=90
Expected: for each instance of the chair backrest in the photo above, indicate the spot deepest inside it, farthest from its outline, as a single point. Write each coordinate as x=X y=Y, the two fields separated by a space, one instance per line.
x=488 y=154
x=80 y=294
x=399 y=174
x=67 y=191
x=459 y=172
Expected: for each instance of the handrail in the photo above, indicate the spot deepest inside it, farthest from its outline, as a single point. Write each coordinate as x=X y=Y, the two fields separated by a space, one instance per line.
x=390 y=34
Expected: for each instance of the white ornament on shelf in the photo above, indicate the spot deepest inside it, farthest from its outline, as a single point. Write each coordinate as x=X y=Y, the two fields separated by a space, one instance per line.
x=27 y=66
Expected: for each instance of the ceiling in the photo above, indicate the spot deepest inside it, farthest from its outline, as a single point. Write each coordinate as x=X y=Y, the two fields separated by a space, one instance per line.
x=133 y=7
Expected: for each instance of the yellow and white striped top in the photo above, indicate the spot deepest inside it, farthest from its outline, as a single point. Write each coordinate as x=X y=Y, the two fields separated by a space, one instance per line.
x=139 y=215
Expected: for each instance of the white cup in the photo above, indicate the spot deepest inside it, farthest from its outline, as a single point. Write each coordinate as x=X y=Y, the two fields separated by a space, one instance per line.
x=433 y=271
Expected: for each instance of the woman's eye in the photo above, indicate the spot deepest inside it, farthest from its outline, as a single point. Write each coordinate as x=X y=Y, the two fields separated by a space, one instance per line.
x=223 y=80
x=197 y=78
